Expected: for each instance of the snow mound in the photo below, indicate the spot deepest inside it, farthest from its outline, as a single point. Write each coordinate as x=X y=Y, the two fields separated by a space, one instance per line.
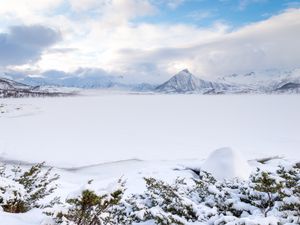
x=225 y=163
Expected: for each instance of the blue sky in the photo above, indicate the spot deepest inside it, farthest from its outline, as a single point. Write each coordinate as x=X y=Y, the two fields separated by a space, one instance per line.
x=206 y=12
x=148 y=39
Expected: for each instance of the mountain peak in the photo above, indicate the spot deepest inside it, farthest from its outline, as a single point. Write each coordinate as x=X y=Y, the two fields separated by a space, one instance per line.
x=185 y=71
x=184 y=74
x=185 y=82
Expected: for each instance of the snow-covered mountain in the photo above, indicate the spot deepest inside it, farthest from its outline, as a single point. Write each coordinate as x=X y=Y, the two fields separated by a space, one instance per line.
x=81 y=78
x=7 y=84
x=264 y=82
x=185 y=82
x=11 y=88
x=87 y=78
x=260 y=82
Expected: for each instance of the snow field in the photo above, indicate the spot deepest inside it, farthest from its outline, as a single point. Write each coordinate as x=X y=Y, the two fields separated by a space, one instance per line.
x=77 y=131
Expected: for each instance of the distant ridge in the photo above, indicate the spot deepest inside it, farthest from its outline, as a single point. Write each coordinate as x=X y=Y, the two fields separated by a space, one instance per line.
x=12 y=89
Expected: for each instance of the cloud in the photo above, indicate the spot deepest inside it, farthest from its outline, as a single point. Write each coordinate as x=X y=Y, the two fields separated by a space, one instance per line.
x=273 y=43
x=61 y=50
x=25 y=44
x=120 y=9
x=173 y=4
x=243 y=4
x=201 y=15
x=83 y=5
x=293 y=4
x=114 y=36
x=26 y=10
x=154 y=51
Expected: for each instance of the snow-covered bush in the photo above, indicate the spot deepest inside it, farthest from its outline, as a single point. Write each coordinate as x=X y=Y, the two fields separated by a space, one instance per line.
x=93 y=208
x=268 y=197
x=203 y=186
x=12 y=196
x=222 y=197
x=265 y=194
x=226 y=197
x=22 y=190
x=290 y=205
x=264 y=190
x=166 y=204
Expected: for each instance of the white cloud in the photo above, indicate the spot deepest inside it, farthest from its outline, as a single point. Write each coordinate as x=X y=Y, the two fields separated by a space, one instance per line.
x=173 y=4
x=26 y=10
x=245 y=3
x=269 y=44
x=200 y=15
x=110 y=8
x=108 y=38
x=83 y=5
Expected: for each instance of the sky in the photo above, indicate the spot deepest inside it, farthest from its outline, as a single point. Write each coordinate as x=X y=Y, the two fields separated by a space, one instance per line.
x=149 y=39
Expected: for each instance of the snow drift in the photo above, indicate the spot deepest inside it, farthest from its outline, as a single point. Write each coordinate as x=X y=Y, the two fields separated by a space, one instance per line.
x=225 y=163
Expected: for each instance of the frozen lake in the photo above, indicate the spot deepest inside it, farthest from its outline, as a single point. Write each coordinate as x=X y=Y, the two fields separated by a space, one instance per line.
x=109 y=127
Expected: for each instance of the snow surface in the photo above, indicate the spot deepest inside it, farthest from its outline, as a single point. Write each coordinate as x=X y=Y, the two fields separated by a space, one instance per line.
x=85 y=130
x=33 y=217
x=226 y=163
x=82 y=135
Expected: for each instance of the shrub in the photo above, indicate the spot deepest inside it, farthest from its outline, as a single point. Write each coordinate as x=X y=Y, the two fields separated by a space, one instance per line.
x=12 y=196
x=265 y=190
x=91 y=208
x=290 y=193
x=203 y=185
x=22 y=190
x=167 y=204
x=215 y=202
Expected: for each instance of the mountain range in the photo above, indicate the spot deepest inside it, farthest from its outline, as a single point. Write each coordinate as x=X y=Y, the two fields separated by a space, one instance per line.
x=263 y=82
x=11 y=88
x=184 y=82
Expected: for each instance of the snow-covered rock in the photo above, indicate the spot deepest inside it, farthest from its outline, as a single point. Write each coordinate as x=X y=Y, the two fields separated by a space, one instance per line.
x=225 y=163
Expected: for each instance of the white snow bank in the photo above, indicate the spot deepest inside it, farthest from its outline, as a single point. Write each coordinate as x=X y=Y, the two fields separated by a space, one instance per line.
x=231 y=220
x=225 y=163
x=33 y=217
